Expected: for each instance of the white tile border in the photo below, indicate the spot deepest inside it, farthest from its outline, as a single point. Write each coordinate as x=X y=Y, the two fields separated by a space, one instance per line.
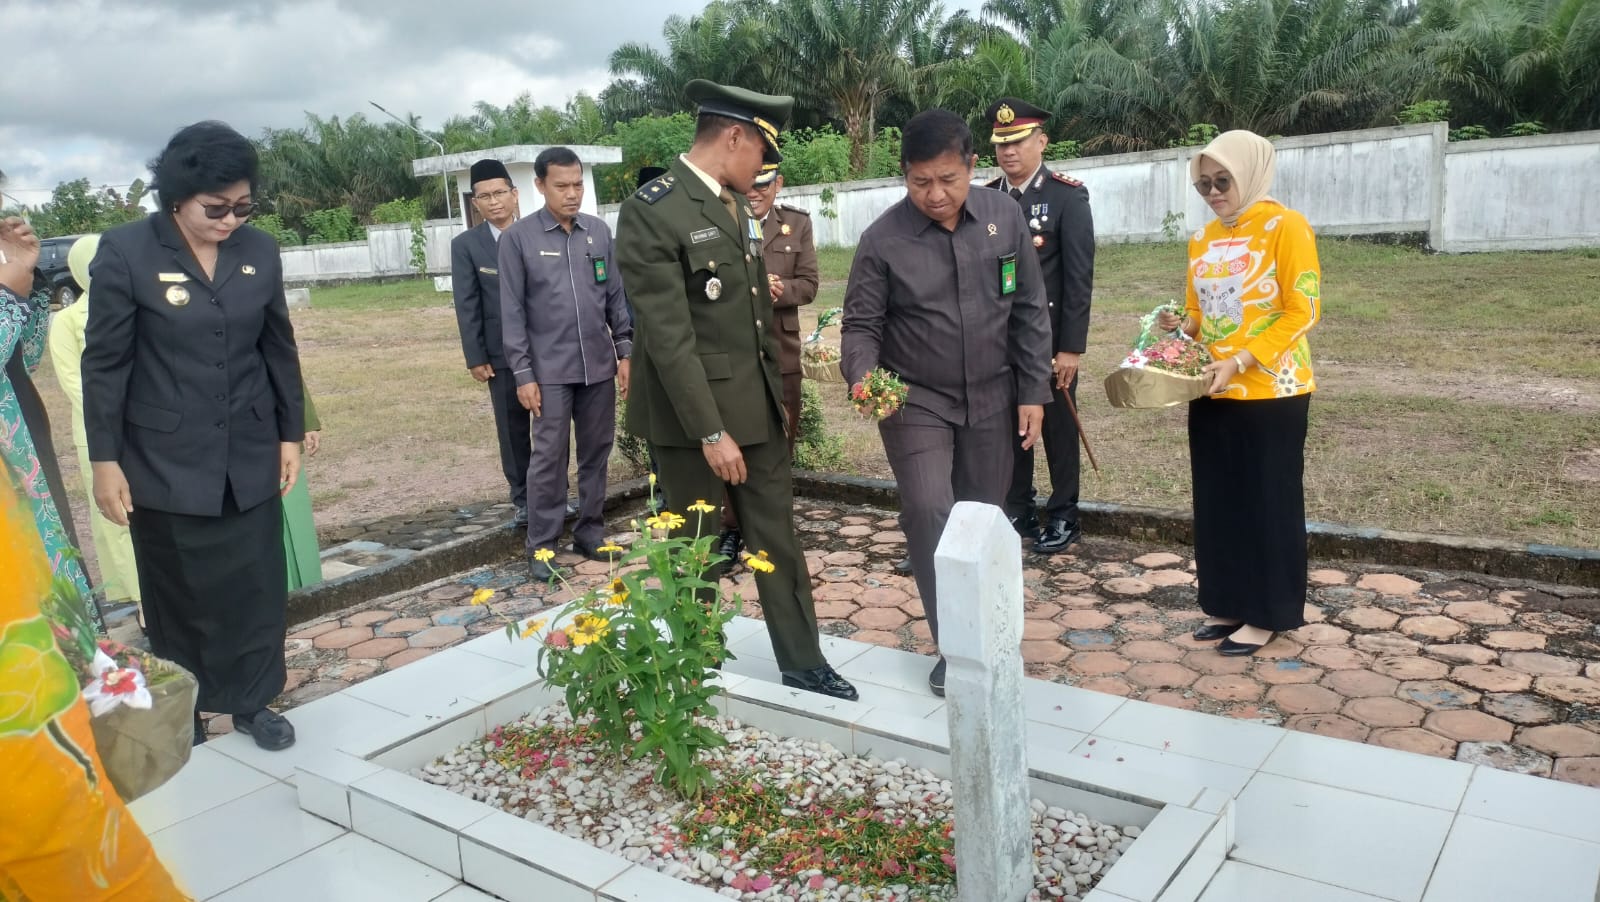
x=389 y=806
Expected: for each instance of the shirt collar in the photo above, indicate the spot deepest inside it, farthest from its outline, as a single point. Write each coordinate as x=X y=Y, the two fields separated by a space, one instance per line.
x=920 y=222
x=548 y=222
x=493 y=232
x=1027 y=184
x=715 y=186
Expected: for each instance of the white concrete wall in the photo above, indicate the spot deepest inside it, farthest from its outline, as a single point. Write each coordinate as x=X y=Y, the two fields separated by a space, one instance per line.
x=1504 y=194
x=1531 y=193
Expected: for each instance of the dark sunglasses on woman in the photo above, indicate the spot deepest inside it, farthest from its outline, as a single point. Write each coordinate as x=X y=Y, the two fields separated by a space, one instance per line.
x=1222 y=183
x=240 y=211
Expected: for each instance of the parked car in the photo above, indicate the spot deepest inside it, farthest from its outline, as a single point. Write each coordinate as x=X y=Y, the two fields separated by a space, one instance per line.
x=52 y=274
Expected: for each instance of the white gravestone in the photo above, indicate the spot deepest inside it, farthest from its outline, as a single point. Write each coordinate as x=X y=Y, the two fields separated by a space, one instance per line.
x=298 y=298
x=979 y=569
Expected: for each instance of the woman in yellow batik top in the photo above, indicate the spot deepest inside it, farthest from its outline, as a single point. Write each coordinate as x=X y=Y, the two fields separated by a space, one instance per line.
x=64 y=833
x=1254 y=291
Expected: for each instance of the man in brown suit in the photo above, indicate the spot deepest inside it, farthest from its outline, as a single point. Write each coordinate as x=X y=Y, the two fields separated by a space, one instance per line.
x=792 y=276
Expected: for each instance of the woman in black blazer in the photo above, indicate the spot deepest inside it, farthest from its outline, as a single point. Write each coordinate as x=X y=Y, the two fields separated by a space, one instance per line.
x=192 y=402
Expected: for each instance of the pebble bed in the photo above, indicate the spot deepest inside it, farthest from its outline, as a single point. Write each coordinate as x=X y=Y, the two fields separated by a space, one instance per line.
x=621 y=809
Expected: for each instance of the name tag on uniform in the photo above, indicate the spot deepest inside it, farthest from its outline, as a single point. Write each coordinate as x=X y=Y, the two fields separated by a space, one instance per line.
x=702 y=236
x=489 y=270
x=1008 y=273
x=599 y=269
x=172 y=277
x=549 y=253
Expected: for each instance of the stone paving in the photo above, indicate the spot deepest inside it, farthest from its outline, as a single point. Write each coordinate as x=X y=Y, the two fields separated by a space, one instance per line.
x=1455 y=665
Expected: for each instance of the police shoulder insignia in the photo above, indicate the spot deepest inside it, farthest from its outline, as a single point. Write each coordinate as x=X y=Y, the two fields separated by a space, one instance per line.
x=794 y=209
x=995 y=184
x=655 y=189
x=1066 y=179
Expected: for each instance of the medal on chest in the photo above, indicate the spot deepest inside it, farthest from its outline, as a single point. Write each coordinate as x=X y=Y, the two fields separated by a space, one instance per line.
x=713 y=288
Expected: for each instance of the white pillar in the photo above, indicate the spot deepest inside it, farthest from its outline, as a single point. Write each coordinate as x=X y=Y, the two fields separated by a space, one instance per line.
x=979 y=569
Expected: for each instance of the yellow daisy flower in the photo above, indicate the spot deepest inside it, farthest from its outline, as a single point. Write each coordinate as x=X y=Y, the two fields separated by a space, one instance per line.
x=610 y=548
x=482 y=596
x=669 y=520
x=619 y=593
x=533 y=627
x=588 y=628
x=701 y=507
x=544 y=554
x=759 y=563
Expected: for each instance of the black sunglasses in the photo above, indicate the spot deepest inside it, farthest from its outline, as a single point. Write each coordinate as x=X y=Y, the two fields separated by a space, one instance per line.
x=1222 y=183
x=240 y=211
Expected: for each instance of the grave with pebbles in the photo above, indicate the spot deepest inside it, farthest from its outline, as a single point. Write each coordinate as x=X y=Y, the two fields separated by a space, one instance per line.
x=787 y=819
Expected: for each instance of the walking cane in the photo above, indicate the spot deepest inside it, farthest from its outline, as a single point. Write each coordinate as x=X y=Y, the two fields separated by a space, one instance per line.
x=1077 y=421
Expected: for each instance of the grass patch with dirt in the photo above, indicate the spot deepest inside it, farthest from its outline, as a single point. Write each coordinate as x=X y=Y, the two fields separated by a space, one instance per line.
x=1457 y=395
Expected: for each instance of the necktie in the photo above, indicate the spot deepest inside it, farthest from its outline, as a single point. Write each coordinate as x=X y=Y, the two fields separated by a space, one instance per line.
x=1016 y=193
x=731 y=205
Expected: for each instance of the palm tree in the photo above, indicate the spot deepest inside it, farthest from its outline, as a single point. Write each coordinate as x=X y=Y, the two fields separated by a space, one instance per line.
x=1505 y=61
x=851 y=55
x=727 y=43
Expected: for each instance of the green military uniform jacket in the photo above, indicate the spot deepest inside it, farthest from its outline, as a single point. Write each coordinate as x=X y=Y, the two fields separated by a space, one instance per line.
x=704 y=359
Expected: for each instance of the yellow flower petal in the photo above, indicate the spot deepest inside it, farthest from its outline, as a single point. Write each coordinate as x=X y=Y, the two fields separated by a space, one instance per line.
x=482 y=596
x=533 y=627
x=610 y=548
x=544 y=554
x=701 y=507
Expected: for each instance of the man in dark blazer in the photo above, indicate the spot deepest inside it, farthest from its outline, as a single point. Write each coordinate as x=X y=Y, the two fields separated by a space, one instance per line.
x=475 y=281
x=791 y=257
x=706 y=388
x=1062 y=230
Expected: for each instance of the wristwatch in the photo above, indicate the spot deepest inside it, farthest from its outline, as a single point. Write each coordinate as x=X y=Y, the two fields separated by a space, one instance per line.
x=712 y=439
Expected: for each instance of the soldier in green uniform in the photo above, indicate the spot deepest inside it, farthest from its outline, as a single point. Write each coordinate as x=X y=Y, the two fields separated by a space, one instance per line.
x=706 y=392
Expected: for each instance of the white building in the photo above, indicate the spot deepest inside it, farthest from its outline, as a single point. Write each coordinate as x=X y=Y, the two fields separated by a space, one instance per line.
x=518 y=159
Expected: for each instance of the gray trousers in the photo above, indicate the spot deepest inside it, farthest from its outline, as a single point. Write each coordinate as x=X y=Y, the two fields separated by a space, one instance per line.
x=937 y=463
x=590 y=410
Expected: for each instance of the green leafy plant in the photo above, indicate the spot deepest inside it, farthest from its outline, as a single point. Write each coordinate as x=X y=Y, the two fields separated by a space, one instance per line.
x=632 y=448
x=1063 y=150
x=815 y=448
x=272 y=224
x=1172 y=225
x=1198 y=135
x=419 y=247
x=332 y=226
x=636 y=654
x=1525 y=129
x=1424 y=111
x=405 y=209
x=1469 y=133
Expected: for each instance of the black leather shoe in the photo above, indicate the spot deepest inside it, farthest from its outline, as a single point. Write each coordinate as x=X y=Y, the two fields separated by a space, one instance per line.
x=267 y=728
x=903 y=565
x=519 y=518
x=199 y=730
x=539 y=571
x=1026 y=524
x=729 y=544
x=1209 y=632
x=572 y=509
x=1240 y=649
x=936 y=678
x=591 y=553
x=822 y=680
x=1058 y=536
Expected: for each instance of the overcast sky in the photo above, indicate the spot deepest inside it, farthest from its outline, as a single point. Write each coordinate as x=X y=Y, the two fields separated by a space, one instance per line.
x=93 y=88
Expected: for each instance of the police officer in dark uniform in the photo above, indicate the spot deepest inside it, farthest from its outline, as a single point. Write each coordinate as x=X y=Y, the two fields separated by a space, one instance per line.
x=1057 y=210
x=706 y=390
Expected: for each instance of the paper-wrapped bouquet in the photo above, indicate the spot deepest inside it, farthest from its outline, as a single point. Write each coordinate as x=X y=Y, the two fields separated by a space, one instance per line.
x=1163 y=369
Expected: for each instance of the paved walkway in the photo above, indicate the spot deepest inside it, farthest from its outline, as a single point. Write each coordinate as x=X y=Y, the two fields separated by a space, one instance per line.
x=1453 y=665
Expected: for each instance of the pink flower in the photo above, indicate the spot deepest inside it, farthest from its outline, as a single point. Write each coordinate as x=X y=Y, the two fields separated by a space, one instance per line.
x=816 y=880
x=557 y=639
x=760 y=883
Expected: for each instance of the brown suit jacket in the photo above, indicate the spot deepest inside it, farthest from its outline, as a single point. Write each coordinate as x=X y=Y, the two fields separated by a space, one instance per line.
x=791 y=255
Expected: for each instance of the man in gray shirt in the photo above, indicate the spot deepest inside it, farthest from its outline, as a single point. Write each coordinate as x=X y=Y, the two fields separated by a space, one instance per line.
x=946 y=292
x=567 y=340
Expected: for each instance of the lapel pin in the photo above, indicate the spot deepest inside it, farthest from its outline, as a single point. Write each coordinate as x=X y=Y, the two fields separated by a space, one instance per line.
x=992 y=230
x=785 y=229
x=177 y=295
x=248 y=270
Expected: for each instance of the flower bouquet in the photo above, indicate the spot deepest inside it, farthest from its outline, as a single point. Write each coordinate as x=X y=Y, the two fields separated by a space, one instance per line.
x=1163 y=369
x=817 y=360
x=141 y=707
x=879 y=394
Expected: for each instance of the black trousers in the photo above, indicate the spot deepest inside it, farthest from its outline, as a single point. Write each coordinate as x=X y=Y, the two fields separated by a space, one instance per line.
x=765 y=506
x=791 y=410
x=590 y=411
x=937 y=463
x=215 y=599
x=513 y=427
x=1248 y=464
x=1061 y=451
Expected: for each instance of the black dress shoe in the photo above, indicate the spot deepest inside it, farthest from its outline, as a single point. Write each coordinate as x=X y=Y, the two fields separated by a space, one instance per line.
x=1240 y=649
x=903 y=565
x=539 y=571
x=1209 y=632
x=822 y=680
x=199 y=730
x=267 y=728
x=519 y=518
x=729 y=544
x=588 y=552
x=936 y=678
x=1026 y=524
x=1058 y=536
x=572 y=509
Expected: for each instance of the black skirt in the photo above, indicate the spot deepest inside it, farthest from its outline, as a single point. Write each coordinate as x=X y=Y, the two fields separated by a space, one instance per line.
x=215 y=599
x=1248 y=465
